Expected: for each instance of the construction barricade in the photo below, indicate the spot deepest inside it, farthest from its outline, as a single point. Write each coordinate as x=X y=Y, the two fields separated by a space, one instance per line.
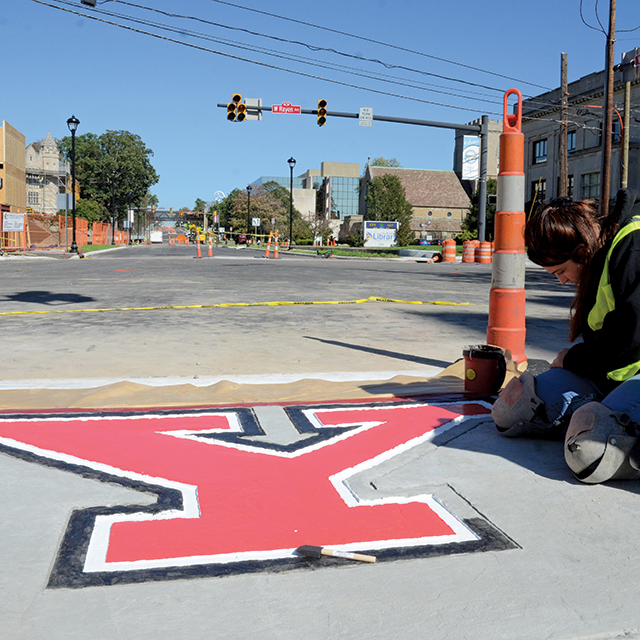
x=506 y=327
x=449 y=250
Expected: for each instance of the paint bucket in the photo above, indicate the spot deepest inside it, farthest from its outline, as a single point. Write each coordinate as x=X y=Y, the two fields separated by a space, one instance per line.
x=484 y=368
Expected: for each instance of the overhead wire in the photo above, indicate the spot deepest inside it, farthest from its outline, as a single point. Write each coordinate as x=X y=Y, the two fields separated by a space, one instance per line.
x=292 y=57
x=314 y=48
x=262 y=64
x=371 y=40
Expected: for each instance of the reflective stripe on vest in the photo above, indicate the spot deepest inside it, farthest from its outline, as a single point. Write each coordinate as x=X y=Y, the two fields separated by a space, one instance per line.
x=605 y=302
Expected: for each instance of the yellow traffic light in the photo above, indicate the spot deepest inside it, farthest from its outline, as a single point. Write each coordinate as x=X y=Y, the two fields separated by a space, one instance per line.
x=322 y=112
x=236 y=111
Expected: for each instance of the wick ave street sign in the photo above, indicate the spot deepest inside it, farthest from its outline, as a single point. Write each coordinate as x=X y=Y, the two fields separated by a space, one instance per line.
x=285 y=107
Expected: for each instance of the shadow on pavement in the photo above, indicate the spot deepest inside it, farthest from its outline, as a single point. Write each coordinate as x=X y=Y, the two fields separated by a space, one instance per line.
x=383 y=352
x=48 y=297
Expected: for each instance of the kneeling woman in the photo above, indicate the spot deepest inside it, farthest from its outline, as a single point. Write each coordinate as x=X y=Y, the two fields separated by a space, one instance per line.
x=591 y=394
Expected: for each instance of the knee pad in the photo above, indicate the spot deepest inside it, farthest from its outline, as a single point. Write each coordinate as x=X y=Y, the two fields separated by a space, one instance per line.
x=602 y=444
x=519 y=411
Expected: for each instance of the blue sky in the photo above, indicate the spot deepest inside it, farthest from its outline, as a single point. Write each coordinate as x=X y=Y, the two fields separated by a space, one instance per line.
x=58 y=64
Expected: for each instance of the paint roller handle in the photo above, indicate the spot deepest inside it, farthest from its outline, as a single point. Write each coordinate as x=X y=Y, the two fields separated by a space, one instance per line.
x=349 y=556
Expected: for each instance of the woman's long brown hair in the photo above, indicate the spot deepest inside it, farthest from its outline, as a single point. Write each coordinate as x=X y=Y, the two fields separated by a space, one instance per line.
x=565 y=230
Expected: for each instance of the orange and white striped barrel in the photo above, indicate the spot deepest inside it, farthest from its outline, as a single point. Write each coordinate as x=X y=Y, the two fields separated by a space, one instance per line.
x=468 y=251
x=449 y=250
x=507 y=298
x=483 y=253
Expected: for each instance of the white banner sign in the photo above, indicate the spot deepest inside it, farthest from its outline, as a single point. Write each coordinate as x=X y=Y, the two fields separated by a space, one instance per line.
x=471 y=158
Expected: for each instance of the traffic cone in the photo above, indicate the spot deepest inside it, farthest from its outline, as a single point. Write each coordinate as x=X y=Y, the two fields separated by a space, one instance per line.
x=210 y=245
x=266 y=253
x=199 y=252
x=275 y=248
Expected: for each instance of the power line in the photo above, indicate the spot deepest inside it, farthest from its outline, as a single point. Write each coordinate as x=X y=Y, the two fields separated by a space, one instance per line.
x=384 y=44
x=262 y=64
x=309 y=46
x=291 y=57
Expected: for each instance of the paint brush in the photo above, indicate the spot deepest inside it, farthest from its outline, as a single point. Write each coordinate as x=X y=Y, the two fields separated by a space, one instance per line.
x=309 y=551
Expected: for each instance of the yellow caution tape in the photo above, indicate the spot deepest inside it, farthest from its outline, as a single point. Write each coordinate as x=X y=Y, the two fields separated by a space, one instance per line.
x=278 y=303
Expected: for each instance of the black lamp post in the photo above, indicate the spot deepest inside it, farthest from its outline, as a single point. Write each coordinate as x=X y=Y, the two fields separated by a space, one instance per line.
x=129 y=217
x=292 y=164
x=248 y=211
x=113 y=206
x=73 y=123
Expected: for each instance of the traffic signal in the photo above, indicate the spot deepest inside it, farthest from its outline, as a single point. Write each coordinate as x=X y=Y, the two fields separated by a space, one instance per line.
x=322 y=112
x=235 y=109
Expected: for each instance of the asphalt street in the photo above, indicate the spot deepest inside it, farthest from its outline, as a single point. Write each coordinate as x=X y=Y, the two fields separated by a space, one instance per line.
x=201 y=343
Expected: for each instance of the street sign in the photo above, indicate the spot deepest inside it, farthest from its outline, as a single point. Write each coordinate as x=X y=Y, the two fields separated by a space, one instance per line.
x=255 y=222
x=285 y=107
x=365 y=118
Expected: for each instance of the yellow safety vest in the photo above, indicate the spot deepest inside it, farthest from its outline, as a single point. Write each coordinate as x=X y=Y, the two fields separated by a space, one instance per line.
x=605 y=302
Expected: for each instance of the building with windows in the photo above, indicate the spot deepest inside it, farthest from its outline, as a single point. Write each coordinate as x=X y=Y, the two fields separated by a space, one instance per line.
x=47 y=175
x=12 y=175
x=439 y=200
x=541 y=125
x=338 y=184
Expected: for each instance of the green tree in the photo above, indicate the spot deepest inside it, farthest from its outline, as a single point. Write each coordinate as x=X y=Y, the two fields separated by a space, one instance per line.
x=268 y=201
x=470 y=223
x=199 y=206
x=387 y=201
x=112 y=166
x=384 y=162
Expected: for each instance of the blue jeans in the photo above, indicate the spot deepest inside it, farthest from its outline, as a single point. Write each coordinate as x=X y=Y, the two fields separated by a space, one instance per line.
x=563 y=392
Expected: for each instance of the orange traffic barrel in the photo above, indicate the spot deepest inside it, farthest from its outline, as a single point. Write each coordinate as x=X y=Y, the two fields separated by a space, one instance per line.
x=468 y=249
x=506 y=327
x=449 y=250
x=483 y=253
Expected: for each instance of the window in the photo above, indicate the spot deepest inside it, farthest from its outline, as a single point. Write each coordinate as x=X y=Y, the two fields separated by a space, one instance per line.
x=571 y=142
x=569 y=186
x=590 y=187
x=539 y=191
x=32 y=197
x=540 y=151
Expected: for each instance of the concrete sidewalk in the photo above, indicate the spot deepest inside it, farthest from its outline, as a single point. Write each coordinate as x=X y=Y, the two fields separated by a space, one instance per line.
x=534 y=553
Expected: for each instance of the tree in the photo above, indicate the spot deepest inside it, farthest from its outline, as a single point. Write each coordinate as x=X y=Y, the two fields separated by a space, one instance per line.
x=199 y=206
x=383 y=162
x=112 y=166
x=268 y=201
x=387 y=201
x=470 y=223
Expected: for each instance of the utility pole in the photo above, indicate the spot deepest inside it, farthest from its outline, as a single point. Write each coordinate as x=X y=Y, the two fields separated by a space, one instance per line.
x=630 y=71
x=562 y=191
x=607 y=126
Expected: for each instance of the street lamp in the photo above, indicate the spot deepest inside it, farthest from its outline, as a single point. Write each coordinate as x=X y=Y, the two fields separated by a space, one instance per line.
x=113 y=205
x=73 y=123
x=129 y=221
x=292 y=164
x=248 y=211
